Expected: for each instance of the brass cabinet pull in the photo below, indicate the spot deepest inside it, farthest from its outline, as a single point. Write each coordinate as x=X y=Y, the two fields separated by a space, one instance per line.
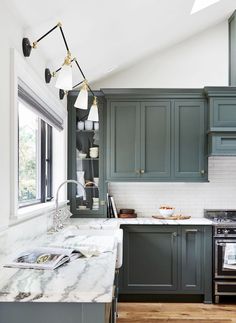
x=191 y=230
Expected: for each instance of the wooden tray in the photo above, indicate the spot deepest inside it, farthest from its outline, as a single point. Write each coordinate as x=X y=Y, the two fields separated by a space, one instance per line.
x=173 y=217
x=127 y=211
x=127 y=216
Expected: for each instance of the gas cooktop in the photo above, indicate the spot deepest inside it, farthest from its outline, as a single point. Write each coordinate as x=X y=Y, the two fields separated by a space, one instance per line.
x=221 y=217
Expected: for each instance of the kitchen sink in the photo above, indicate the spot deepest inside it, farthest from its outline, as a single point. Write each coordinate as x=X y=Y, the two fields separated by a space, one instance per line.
x=118 y=233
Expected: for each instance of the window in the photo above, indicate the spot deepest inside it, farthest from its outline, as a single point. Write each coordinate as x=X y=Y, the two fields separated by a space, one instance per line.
x=34 y=157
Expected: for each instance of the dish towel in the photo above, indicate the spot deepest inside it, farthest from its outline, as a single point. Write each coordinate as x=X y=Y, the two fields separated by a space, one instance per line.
x=230 y=256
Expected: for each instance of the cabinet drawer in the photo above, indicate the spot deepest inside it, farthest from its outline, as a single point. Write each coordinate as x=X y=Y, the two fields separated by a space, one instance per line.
x=222 y=144
x=223 y=112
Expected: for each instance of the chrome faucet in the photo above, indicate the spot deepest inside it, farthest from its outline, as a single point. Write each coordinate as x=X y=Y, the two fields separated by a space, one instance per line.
x=57 y=222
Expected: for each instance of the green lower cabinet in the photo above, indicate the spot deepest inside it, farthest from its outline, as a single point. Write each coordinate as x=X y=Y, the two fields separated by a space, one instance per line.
x=192 y=240
x=167 y=260
x=150 y=259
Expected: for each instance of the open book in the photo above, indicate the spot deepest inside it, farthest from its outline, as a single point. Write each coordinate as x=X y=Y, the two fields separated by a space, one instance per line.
x=43 y=258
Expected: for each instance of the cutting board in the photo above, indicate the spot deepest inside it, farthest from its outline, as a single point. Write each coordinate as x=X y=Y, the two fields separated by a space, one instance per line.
x=173 y=217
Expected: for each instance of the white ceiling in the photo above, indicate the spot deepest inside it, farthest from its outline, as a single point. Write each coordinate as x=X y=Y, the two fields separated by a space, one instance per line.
x=108 y=35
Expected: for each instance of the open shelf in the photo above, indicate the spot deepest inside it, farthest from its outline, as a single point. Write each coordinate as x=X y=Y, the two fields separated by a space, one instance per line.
x=87 y=158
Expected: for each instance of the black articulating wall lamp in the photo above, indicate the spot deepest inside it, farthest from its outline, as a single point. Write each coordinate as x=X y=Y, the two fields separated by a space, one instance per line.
x=64 y=73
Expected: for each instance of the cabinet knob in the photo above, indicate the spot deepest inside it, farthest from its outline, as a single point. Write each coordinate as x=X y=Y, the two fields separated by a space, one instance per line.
x=174 y=234
x=142 y=171
x=137 y=171
x=202 y=172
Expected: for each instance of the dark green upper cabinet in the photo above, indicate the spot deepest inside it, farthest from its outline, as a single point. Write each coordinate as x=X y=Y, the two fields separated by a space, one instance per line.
x=155 y=139
x=189 y=139
x=124 y=139
x=222 y=120
x=156 y=135
x=232 y=49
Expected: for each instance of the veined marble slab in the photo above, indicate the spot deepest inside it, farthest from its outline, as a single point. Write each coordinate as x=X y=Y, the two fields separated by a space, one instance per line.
x=82 y=280
x=103 y=223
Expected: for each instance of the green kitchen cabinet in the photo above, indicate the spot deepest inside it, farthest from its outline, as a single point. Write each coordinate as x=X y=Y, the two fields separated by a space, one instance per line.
x=85 y=169
x=139 y=140
x=189 y=139
x=150 y=259
x=191 y=258
x=232 y=49
x=124 y=140
x=167 y=259
x=155 y=139
x=222 y=121
x=160 y=139
x=222 y=144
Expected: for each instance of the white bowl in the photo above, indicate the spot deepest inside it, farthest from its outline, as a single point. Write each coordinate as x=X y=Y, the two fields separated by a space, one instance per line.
x=82 y=155
x=167 y=212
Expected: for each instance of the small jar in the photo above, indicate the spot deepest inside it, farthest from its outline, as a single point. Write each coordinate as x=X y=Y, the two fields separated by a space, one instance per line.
x=88 y=125
x=80 y=125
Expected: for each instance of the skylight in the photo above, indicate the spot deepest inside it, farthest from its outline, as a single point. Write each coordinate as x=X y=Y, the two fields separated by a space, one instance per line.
x=202 y=4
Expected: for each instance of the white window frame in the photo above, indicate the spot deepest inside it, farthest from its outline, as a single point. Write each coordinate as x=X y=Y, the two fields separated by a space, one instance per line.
x=20 y=69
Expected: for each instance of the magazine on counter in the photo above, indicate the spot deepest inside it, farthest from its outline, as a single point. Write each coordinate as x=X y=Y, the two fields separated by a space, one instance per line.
x=43 y=258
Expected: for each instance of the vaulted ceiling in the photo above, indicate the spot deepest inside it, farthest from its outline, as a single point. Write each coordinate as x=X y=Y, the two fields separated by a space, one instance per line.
x=108 y=35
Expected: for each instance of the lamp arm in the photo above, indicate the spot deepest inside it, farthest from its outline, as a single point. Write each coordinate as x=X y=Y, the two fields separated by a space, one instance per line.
x=47 y=33
x=64 y=38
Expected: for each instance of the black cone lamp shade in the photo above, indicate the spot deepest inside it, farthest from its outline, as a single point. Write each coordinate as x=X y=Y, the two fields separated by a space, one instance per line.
x=26 y=47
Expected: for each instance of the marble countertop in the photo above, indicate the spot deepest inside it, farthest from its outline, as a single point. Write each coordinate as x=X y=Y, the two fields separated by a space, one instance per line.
x=82 y=280
x=104 y=223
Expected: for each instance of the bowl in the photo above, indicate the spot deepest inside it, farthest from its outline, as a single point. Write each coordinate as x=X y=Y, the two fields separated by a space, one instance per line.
x=82 y=155
x=166 y=212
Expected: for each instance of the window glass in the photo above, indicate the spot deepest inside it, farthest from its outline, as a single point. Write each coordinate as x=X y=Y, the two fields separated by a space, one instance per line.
x=29 y=156
x=34 y=157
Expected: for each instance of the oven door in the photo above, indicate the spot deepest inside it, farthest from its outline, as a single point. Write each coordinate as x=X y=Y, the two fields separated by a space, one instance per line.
x=223 y=270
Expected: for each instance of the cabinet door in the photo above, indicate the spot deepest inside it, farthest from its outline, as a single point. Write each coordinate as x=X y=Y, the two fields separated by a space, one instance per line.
x=189 y=140
x=155 y=139
x=124 y=145
x=223 y=112
x=150 y=259
x=192 y=258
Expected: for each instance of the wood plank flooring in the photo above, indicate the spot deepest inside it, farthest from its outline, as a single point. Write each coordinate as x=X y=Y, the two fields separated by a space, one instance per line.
x=176 y=313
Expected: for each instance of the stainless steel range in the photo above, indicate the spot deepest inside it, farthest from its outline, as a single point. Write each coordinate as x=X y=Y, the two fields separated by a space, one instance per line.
x=224 y=251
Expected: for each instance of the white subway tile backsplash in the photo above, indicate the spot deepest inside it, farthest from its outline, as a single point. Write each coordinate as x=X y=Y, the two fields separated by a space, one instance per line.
x=187 y=198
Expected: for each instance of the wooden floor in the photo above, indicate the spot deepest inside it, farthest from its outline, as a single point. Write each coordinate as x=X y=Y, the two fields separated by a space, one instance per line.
x=176 y=313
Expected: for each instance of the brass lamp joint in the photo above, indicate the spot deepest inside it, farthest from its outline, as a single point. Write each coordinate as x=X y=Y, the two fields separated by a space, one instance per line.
x=67 y=60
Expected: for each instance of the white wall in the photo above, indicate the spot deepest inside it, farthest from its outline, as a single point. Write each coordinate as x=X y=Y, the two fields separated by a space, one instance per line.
x=188 y=198
x=199 y=61
x=11 y=34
